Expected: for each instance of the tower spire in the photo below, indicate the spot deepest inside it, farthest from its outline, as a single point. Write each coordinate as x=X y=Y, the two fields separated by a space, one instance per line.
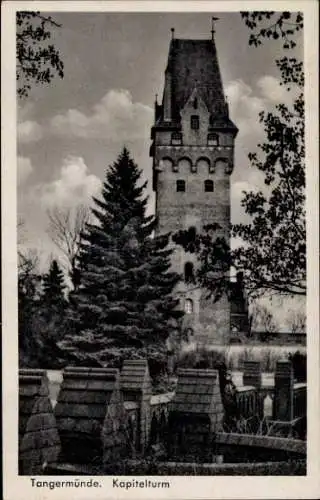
x=213 y=19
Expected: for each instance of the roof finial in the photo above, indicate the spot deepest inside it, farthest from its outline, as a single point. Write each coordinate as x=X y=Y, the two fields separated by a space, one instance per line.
x=172 y=33
x=213 y=19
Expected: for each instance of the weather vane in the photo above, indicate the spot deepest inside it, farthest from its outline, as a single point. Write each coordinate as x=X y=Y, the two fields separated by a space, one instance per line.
x=213 y=19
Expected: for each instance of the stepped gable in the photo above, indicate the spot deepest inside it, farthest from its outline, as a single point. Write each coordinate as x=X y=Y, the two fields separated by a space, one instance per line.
x=81 y=411
x=197 y=393
x=39 y=442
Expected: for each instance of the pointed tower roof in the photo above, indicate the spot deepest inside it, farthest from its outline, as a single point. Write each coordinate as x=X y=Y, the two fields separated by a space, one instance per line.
x=195 y=63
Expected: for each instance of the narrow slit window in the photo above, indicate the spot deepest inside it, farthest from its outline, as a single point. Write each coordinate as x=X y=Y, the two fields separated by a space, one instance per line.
x=181 y=186
x=208 y=186
x=189 y=272
x=195 y=124
x=188 y=306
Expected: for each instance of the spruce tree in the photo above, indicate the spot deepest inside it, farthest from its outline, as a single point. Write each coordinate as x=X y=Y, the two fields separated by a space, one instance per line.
x=124 y=306
x=53 y=286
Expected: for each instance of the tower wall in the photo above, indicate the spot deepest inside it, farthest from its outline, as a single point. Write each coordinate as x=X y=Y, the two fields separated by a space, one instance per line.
x=193 y=153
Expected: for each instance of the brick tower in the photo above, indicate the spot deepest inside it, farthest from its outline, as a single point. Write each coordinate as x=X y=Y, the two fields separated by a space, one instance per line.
x=193 y=150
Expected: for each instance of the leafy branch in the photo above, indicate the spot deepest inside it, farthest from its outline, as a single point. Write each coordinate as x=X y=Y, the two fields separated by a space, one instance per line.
x=37 y=60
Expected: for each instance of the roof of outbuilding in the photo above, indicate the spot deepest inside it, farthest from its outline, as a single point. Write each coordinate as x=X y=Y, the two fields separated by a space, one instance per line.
x=134 y=375
x=196 y=392
x=85 y=392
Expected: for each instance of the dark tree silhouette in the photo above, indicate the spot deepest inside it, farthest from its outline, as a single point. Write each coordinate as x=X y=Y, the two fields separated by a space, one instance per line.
x=38 y=61
x=274 y=252
x=53 y=286
x=124 y=302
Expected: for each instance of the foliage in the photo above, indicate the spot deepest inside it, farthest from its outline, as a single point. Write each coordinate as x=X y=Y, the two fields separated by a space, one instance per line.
x=201 y=358
x=65 y=229
x=214 y=255
x=296 y=321
x=37 y=60
x=272 y=253
x=28 y=295
x=53 y=285
x=262 y=320
x=124 y=302
x=41 y=319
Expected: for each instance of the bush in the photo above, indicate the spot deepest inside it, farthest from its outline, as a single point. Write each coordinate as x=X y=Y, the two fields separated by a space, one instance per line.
x=201 y=357
x=234 y=356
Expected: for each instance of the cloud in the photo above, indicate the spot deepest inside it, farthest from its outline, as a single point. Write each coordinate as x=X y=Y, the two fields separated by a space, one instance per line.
x=244 y=106
x=246 y=102
x=114 y=117
x=254 y=182
x=29 y=131
x=25 y=168
x=74 y=186
x=272 y=91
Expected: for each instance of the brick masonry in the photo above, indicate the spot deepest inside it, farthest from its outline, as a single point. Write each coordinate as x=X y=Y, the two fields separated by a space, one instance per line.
x=39 y=441
x=135 y=383
x=193 y=87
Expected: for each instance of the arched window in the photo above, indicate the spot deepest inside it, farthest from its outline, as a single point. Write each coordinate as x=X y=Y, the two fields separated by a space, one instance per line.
x=208 y=186
x=195 y=103
x=189 y=273
x=221 y=166
x=189 y=334
x=165 y=164
x=213 y=140
x=194 y=123
x=184 y=165
x=188 y=306
x=176 y=139
x=203 y=165
x=181 y=186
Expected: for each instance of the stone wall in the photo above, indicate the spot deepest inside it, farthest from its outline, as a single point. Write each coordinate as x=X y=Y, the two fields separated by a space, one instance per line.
x=135 y=383
x=195 y=415
x=95 y=408
x=39 y=442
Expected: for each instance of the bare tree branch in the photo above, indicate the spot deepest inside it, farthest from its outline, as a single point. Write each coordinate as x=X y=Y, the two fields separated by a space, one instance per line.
x=66 y=227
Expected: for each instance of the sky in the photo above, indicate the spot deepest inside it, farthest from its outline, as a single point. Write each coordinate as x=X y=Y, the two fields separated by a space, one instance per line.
x=71 y=130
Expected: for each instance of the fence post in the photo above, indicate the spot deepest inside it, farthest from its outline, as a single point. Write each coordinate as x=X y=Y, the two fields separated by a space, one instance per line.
x=283 y=392
x=252 y=373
